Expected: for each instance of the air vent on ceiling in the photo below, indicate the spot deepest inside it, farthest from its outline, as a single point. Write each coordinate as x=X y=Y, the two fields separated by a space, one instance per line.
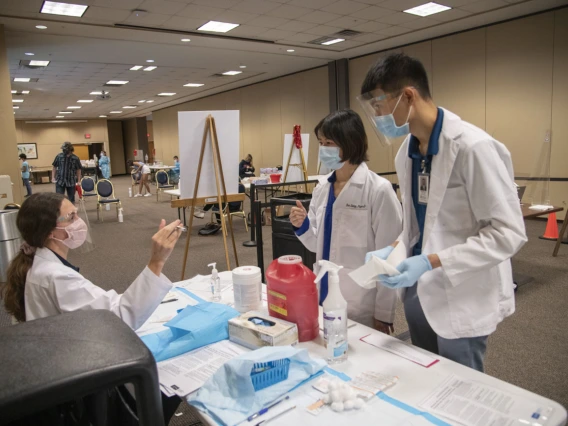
x=103 y=96
x=348 y=33
x=321 y=40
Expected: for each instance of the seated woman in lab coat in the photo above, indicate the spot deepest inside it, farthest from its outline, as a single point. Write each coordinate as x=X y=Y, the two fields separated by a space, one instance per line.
x=352 y=209
x=41 y=282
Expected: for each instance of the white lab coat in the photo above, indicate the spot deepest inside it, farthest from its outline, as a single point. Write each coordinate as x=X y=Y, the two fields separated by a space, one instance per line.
x=53 y=288
x=473 y=223
x=366 y=217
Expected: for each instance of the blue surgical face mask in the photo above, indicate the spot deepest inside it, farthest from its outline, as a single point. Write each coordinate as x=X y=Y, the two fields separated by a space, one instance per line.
x=329 y=156
x=387 y=125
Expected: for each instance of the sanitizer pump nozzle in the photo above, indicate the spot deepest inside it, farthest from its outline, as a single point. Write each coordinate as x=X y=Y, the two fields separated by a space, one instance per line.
x=334 y=314
x=215 y=283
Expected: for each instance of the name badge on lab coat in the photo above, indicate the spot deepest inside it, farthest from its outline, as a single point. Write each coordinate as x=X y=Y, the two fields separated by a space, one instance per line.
x=423 y=187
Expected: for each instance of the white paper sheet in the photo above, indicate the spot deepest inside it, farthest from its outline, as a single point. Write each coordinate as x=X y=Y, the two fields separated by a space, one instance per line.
x=186 y=373
x=404 y=350
x=366 y=275
x=476 y=404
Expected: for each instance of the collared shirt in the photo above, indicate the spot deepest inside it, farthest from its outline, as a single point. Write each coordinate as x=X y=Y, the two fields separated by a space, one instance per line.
x=418 y=160
x=65 y=262
x=327 y=231
x=67 y=167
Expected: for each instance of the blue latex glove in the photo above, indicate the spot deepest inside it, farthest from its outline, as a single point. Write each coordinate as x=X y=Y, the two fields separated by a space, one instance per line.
x=410 y=269
x=381 y=254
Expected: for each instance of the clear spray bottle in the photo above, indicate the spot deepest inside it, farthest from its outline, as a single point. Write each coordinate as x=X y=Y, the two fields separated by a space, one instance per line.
x=215 y=283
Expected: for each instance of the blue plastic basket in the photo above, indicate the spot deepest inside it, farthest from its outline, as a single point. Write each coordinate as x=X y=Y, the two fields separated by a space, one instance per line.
x=266 y=374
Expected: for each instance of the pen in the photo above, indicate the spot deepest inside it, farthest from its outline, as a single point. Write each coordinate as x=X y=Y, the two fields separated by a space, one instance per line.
x=277 y=415
x=264 y=410
x=168 y=301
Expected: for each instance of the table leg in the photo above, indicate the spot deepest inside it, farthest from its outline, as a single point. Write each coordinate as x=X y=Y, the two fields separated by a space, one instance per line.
x=560 y=236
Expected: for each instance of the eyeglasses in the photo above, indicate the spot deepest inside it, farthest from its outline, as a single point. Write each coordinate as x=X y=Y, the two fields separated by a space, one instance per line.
x=69 y=217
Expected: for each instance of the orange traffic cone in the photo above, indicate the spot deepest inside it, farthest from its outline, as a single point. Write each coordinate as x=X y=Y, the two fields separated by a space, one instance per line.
x=551 y=231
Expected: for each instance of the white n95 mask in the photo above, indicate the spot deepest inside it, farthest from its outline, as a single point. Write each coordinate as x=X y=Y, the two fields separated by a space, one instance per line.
x=329 y=156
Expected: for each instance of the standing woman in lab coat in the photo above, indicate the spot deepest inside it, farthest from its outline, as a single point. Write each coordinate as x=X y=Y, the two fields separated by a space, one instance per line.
x=462 y=217
x=353 y=211
x=41 y=282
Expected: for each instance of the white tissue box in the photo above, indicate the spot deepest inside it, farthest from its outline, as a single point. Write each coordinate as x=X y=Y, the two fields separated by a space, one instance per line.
x=245 y=333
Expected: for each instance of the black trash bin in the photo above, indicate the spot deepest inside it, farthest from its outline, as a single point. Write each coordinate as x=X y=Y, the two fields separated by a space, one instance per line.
x=284 y=240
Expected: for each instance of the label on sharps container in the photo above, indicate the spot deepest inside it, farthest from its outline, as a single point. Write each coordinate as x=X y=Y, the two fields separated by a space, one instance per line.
x=278 y=303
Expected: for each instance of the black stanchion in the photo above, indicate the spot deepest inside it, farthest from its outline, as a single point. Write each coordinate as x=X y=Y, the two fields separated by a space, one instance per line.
x=252 y=242
x=259 y=243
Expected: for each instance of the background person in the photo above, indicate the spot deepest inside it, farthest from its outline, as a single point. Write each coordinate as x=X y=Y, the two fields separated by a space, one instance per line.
x=104 y=165
x=26 y=174
x=246 y=169
x=66 y=171
x=175 y=172
x=144 y=171
x=353 y=211
x=461 y=229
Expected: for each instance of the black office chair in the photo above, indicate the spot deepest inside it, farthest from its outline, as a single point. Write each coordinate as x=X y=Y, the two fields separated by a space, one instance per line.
x=75 y=356
x=88 y=187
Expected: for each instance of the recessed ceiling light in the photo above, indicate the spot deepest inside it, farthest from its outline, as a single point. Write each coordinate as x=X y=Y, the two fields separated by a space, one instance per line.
x=18 y=101
x=116 y=82
x=73 y=107
x=14 y=91
x=136 y=67
x=25 y=92
x=116 y=112
x=29 y=54
x=84 y=101
x=217 y=27
x=128 y=107
x=152 y=68
x=193 y=85
x=185 y=40
x=65 y=112
x=166 y=94
x=335 y=40
x=149 y=60
x=15 y=107
x=22 y=80
x=102 y=116
x=427 y=9
x=149 y=102
x=96 y=93
x=66 y=9
x=41 y=27
x=59 y=116
x=141 y=102
x=290 y=50
x=39 y=63
x=232 y=72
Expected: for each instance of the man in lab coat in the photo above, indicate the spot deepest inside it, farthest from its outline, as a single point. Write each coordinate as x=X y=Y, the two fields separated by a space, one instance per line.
x=462 y=220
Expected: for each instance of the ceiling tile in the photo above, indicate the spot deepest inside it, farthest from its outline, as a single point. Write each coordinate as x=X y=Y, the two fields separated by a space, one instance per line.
x=268 y=22
x=119 y=4
x=348 y=44
x=323 y=30
x=398 y=18
x=161 y=6
x=289 y=12
x=297 y=26
x=183 y=23
x=255 y=6
x=275 y=34
x=394 y=31
x=300 y=37
x=246 y=31
x=484 y=5
x=370 y=27
x=105 y=14
x=223 y=4
x=456 y=3
x=31 y=6
x=401 y=5
x=319 y=17
x=370 y=38
x=418 y=24
x=149 y=19
x=235 y=17
x=346 y=22
x=372 y=13
x=450 y=15
x=343 y=7
x=312 y=4
x=200 y=12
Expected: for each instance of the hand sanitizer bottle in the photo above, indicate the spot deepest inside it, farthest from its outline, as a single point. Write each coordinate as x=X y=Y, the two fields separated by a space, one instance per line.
x=215 y=283
x=334 y=314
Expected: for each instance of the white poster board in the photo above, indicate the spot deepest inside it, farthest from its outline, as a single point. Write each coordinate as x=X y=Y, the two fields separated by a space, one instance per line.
x=191 y=125
x=295 y=173
x=139 y=155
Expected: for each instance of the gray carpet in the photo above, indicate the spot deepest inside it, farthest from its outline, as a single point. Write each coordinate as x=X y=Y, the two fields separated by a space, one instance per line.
x=528 y=349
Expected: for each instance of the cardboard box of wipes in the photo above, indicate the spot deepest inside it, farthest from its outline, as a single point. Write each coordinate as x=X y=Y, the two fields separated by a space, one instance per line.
x=255 y=330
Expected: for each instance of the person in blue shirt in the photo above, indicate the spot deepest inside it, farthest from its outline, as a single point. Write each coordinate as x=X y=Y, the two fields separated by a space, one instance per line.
x=26 y=173
x=175 y=172
x=104 y=165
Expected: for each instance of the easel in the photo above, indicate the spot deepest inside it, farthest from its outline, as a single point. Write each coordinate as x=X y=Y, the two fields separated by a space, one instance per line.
x=302 y=163
x=210 y=130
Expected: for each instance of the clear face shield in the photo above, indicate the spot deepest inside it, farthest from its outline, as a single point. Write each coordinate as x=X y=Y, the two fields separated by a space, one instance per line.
x=75 y=232
x=377 y=108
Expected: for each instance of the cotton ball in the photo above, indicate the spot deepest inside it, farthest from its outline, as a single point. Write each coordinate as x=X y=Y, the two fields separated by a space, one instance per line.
x=345 y=395
x=350 y=393
x=336 y=396
x=332 y=386
x=358 y=404
x=337 y=407
x=326 y=398
x=349 y=405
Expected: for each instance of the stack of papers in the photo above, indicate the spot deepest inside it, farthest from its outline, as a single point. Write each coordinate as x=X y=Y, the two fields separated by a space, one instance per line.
x=186 y=373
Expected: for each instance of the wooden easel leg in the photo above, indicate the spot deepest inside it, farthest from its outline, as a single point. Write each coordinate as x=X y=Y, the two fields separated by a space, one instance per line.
x=304 y=169
x=560 y=236
x=288 y=162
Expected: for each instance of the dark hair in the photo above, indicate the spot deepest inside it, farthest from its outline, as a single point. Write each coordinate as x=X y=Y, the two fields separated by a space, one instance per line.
x=129 y=163
x=318 y=127
x=67 y=147
x=23 y=156
x=345 y=128
x=395 y=72
x=36 y=220
x=176 y=157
